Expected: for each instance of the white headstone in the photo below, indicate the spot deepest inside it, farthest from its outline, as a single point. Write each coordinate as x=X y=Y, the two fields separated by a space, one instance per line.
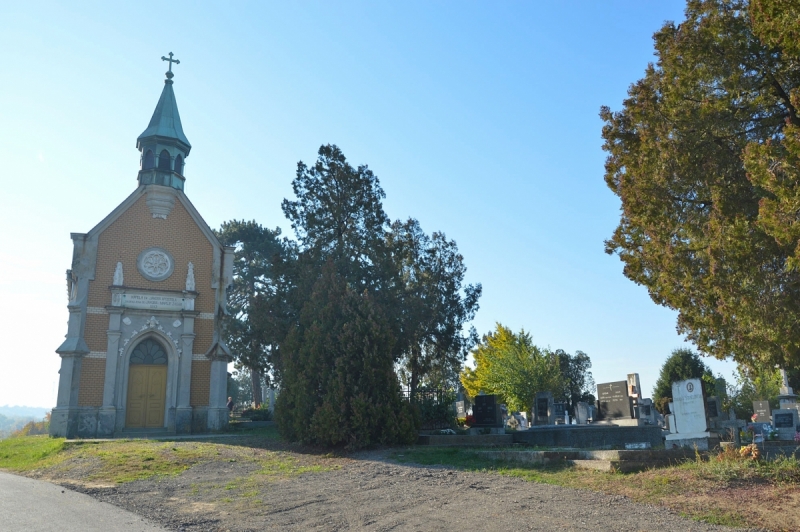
x=689 y=406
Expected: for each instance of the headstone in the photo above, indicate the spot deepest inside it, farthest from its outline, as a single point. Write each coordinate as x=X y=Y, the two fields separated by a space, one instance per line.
x=486 y=412
x=634 y=387
x=461 y=410
x=787 y=398
x=635 y=394
x=785 y=421
x=763 y=411
x=713 y=407
x=582 y=413
x=559 y=413
x=647 y=411
x=543 y=409
x=670 y=419
x=612 y=397
x=690 y=408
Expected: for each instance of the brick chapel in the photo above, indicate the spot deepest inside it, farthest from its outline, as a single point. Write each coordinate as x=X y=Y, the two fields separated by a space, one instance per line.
x=147 y=288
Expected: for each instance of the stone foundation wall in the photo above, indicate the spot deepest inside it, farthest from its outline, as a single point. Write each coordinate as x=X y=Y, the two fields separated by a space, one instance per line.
x=588 y=436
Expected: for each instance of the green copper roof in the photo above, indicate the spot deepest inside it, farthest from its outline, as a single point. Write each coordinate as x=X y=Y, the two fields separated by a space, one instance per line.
x=166 y=121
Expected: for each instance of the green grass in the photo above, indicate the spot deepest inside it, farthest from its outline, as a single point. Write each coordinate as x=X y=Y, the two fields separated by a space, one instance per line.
x=30 y=452
x=126 y=461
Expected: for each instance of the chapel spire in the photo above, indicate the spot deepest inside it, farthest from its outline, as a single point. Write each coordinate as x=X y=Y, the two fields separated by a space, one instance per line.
x=163 y=145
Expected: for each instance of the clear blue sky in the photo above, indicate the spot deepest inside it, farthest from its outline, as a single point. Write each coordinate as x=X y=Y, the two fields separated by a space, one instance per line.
x=479 y=118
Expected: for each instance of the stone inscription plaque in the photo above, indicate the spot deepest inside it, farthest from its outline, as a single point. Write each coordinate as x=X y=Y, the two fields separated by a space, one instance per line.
x=614 y=401
x=784 y=421
x=152 y=302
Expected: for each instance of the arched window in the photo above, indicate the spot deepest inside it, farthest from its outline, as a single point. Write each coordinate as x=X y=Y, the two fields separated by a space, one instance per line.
x=149 y=352
x=163 y=161
x=179 y=164
x=149 y=160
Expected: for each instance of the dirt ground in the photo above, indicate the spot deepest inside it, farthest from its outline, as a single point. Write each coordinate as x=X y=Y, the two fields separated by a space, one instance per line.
x=365 y=491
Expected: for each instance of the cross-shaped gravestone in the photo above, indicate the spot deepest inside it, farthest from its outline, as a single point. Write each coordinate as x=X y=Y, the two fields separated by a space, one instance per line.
x=171 y=60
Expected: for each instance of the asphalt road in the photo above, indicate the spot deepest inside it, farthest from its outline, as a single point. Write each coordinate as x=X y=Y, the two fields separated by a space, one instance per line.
x=36 y=506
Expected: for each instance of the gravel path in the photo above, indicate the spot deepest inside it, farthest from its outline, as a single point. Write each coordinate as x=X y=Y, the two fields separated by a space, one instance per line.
x=369 y=493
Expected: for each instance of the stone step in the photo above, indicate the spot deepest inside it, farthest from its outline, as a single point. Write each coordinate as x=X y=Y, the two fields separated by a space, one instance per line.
x=146 y=433
x=479 y=440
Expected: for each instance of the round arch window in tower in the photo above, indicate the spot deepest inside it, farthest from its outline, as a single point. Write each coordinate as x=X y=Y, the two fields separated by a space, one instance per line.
x=149 y=160
x=179 y=164
x=163 y=161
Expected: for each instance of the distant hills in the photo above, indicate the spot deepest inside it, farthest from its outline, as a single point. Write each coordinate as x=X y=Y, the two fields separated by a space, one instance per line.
x=29 y=412
x=13 y=418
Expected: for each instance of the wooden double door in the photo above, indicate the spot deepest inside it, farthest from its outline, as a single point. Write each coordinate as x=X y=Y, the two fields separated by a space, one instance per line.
x=147 y=393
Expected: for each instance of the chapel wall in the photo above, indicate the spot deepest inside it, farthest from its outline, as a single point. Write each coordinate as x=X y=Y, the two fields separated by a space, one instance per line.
x=96 y=335
x=136 y=230
x=93 y=372
x=201 y=383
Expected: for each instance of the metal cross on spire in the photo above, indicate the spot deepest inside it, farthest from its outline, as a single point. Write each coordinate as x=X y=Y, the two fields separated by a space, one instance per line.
x=171 y=60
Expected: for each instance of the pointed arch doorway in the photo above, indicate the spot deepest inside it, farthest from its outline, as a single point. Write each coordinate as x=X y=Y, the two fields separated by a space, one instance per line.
x=147 y=385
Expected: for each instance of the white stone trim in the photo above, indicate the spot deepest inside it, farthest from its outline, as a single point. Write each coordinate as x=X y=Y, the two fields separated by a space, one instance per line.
x=96 y=354
x=205 y=316
x=96 y=310
x=199 y=356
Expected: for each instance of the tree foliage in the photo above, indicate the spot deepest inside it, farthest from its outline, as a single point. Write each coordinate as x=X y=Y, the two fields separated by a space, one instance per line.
x=339 y=385
x=682 y=364
x=435 y=304
x=336 y=363
x=511 y=366
x=577 y=381
x=254 y=279
x=702 y=237
x=754 y=384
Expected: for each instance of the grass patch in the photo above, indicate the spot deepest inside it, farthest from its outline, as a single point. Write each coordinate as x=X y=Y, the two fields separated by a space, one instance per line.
x=23 y=453
x=126 y=461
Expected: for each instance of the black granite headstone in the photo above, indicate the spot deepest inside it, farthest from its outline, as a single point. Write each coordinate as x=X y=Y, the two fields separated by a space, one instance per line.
x=612 y=397
x=541 y=407
x=712 y=408
x=487 y=412
x=763 y=410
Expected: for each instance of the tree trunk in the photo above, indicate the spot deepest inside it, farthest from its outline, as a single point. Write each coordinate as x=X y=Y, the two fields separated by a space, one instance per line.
x=414 y=384
x=255 y=381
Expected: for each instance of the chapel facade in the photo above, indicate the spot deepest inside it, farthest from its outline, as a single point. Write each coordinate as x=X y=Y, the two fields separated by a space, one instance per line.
x=147 y=289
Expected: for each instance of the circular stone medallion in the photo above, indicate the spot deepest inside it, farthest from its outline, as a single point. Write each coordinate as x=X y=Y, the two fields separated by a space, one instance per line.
x=155 y=264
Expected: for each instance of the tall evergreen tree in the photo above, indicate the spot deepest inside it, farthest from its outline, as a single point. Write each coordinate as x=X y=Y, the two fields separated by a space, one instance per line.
x=682 y=364
x=257 y=249
x=694 y=229
x=435 y=305
x=338 y=385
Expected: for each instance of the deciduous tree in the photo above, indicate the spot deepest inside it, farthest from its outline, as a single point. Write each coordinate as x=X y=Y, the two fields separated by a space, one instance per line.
x=510 y=365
